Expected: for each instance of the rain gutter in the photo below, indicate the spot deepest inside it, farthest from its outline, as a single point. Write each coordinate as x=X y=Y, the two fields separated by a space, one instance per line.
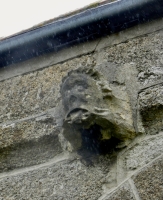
x=83 y=27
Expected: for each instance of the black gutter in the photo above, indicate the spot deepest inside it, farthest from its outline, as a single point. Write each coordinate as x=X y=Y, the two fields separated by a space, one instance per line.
x=82 y=27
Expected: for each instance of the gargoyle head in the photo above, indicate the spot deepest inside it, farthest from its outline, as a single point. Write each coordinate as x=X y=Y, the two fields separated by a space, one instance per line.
x=83 y=97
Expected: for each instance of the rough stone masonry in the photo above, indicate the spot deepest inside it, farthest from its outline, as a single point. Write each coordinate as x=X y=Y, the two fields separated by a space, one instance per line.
x=88 y=125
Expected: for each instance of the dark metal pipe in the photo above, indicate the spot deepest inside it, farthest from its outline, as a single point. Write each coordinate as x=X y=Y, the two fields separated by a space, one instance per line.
x=82 y=27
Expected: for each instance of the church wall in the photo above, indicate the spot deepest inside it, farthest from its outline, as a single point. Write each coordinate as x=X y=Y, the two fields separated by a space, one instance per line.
x=38 y=162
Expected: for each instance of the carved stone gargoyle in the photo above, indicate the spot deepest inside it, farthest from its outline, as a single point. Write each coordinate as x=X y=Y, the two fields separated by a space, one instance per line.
x=91 y=117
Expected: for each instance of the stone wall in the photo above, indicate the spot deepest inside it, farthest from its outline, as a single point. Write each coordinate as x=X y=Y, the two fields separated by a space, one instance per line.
x=38 y=162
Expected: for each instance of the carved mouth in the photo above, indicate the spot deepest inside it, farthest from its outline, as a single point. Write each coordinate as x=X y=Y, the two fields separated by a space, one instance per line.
x=84 y=118
x=78 y=115
x=94 y=130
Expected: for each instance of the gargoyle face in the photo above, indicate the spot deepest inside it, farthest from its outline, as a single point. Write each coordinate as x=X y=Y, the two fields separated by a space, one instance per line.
x=87 y=113
x=81 y=99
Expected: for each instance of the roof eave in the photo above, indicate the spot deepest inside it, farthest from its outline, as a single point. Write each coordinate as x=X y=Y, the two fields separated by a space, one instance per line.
x=83 y=27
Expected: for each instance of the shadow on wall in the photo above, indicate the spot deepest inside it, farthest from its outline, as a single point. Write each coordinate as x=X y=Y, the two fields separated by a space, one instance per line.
x=28 y=153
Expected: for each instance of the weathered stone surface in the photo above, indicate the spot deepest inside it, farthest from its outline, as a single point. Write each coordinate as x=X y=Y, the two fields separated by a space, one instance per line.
x=151 y=97
x=141 y=153
x=28 y=153
x=123 y=192
x=28 y=143
x=26 y=130
x=144 y=52
x=151 y=108
x=149 y=181
x=65 y=180
x=35 y=92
